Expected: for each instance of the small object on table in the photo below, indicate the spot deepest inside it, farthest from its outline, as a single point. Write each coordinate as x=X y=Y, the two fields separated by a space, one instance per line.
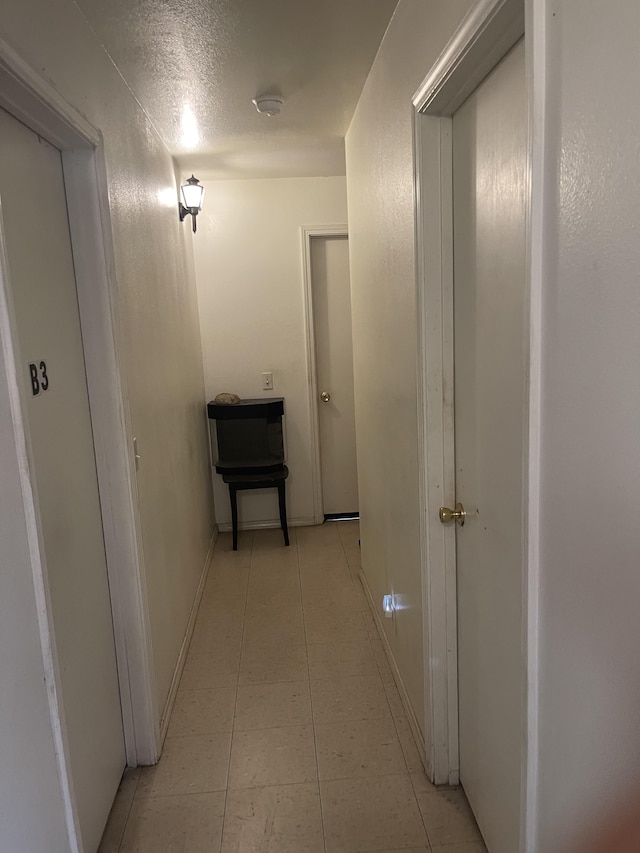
x=226 y=399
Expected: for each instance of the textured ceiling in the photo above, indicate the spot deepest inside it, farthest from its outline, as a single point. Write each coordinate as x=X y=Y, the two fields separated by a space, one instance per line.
x=195 y=65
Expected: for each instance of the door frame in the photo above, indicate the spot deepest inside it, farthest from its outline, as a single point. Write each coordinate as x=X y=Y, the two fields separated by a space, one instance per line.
x=308 y=233
x=38 y=105
x=484 y=37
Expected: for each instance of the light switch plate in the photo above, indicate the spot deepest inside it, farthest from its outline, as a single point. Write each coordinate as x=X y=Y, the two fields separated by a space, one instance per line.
x=267 y=381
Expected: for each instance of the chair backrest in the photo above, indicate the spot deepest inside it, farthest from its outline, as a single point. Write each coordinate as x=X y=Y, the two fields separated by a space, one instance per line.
x=248 y=436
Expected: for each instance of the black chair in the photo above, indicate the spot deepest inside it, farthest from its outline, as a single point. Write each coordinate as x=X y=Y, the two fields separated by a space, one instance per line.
x=251 y=451
x=238 y=482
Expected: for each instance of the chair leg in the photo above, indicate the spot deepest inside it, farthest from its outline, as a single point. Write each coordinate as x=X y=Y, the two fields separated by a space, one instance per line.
x=234 y=514
x=282 y=502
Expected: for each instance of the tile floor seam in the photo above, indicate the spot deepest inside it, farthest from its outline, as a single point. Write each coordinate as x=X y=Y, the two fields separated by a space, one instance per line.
x=371 y=776
x=263 y=683
x=193 y=690
x=146 y=797
x=422 y=848
x=235 y=704
x=395 y=724
x=177 y=795
x=313 y=723
x=200 y=734
x=422 y=817
x=386 y=696
x=276 y=785
x=403 y=849
x=384 y=687
x=270 y=728
x=126 y=821
x=344 y=550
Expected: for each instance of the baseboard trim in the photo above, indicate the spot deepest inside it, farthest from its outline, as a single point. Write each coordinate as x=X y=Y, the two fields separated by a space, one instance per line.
x=184 y=648
x=402 y=690
x=226 y=526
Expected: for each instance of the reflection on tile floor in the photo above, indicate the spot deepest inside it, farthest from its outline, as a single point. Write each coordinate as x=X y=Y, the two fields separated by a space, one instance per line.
x=288 y=734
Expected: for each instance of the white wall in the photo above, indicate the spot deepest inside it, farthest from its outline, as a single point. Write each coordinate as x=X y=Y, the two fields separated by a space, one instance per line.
x=248 y=258
x=589 y=746
x=160 y=344
x=381 y=220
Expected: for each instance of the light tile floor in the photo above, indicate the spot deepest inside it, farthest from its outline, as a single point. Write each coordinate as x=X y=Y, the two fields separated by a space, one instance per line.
x=288 y=734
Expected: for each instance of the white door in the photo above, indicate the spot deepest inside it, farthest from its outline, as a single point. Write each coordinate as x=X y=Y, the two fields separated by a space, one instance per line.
x=331 y=292
x=490 y=202
x=63 y=468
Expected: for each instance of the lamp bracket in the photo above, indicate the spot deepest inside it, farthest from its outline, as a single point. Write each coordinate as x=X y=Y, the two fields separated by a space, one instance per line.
x=188 y=211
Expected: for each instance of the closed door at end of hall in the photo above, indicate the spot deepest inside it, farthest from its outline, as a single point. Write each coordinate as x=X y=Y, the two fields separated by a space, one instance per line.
x=331 y=290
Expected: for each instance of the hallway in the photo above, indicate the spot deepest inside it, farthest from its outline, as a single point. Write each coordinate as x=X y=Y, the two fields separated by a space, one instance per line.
x=288 y=734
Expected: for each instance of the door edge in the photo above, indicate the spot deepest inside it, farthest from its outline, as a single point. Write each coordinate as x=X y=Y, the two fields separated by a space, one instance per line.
x=484 y=37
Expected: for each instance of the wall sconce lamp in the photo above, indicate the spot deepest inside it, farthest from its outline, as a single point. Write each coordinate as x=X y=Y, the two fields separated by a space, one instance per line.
x=192 y=196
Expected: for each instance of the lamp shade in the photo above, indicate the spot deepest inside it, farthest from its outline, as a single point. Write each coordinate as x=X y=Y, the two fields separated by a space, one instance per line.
x=192 y=194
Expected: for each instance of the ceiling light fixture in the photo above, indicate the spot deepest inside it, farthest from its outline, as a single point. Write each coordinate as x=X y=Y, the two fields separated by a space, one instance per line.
x=268 y=105
x=192 y=195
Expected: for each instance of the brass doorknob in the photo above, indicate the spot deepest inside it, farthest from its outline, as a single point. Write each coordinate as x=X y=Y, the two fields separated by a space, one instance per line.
x=458 y=514
x=325 y=396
